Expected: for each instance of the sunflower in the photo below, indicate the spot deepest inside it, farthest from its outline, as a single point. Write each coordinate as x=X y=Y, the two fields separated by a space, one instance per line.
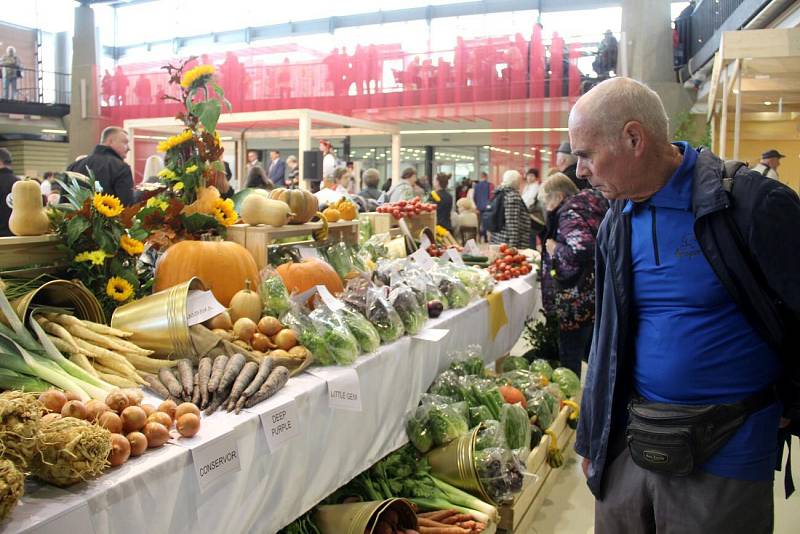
x=175 y=140
x=157 y=202
x=108 y=205
x=178 y=186
x=167 y=174
x=97 y=257
x=224 y=213
x=119 y=289
x=191 y=169
x=132 y=246
x=198 y=73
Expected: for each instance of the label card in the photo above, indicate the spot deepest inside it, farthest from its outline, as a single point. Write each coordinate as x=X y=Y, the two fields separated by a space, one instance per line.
x=308 y=253
x=281 y=424
x=301 y=298
x=424 y=242
x=344 y=388
x=455 y=256
x=424 y=259
x=330 y=301
x=520 y=286
x=76 y=520
x=432 y=334
x=201 y=306
x=472 y=248
x=216 y=459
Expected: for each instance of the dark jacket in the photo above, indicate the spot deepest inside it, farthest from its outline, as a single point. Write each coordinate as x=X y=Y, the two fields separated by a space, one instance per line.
x=7 y=179
x=277 y=172
x=572 y=174
x=756 y=223
x=444 y=209
x=110 y=171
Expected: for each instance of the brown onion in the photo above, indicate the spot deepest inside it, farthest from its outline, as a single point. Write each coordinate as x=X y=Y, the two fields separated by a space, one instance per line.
x=162 y=418
x=72 y=396
x=117 y=400
x=261 y=342
x=285 y=339
x=269 y=326
x=74 y=408
x=135 y=396
x=94 y=409
x=221 y=321
x=148 y=409
x=186 y=407
x=244 y=329
x=120 y=450
x=168 y=407
x=138 y=443
x=156 y=434
x=53 y=400
x=111 y=422
x=188 y=425
x=133 y=418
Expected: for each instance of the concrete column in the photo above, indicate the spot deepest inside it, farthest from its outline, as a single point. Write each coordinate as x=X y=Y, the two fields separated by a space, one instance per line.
x=84 y=117
x=647 y=30
x=395 y=159
x=63 y=53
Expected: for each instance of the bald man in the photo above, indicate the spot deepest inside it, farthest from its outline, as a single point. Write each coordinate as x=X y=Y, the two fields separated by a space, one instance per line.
x=107 y=163
x=697 y=319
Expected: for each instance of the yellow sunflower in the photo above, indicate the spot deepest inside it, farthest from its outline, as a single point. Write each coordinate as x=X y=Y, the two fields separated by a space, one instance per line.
x=167 y=174
x=108 y=205
x=157 y=202
x=132 y=246
x=178 y=186
x=224 y=212
x=191 y=169
x=175 y=140
x=190 y=77
x=97 y=257
x=119 y=289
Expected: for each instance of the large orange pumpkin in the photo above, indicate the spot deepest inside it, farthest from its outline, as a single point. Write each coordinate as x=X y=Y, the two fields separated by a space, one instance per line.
x=303 y=204
x=300 y=277
x=223 y=266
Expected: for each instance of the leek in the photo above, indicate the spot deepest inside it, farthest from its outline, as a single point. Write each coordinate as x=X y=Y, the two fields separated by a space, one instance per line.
x=12 y=380
x=462 y=498
x=13 y=319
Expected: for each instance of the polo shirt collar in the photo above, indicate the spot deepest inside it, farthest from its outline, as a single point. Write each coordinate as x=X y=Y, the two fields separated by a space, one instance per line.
x=677 y=192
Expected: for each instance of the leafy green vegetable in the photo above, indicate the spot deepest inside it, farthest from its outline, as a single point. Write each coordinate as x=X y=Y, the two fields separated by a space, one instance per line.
x=383 y=316
x=308 y=335
x=341 y=344
x=417 y=429
x=367 y=336
x=543 y=406
x=446 y=424
x=516 y=426
x=567 y=380
x=12 y=380
x=478 y=415
x=408 y=307
x=274 y=296
x=449 y=385
x=472 y=366
x=514 y=362
x=455 y=292
x=491 y=434
x=540 y=365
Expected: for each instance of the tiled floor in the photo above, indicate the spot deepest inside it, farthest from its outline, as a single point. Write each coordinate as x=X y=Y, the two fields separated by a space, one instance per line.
x=569 y=509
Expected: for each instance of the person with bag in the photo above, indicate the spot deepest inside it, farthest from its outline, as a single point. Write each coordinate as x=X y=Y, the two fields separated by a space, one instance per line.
x=506 y=216
x=12 y=71
x=568 y=264
x=694 y=363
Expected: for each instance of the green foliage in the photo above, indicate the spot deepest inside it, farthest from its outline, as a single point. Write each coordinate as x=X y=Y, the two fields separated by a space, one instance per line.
x=688 y=128
x=542 y=336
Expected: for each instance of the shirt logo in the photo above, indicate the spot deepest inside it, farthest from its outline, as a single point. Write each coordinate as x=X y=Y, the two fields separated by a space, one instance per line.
x=689 y=247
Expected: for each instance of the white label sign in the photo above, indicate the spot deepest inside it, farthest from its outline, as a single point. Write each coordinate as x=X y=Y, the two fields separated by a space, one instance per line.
x=76 y=520
x=330 y=301
x=308 y=253
x=281 y=424
x=472 y=248
x=424 y=259
x=344 y=388
x=424 y=242
x=432 y=334
x=520 y=286
x=216 y=459
x=201 y=306
x=455 y=256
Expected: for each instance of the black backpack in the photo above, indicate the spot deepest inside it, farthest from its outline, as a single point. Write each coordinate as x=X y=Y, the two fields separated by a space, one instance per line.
x=493 y=218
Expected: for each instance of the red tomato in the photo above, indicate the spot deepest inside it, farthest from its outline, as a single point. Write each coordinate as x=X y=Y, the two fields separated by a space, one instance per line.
x=503 y=248
x=515 y=272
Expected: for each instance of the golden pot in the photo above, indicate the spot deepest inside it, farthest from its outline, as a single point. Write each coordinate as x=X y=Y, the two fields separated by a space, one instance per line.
x=61 y=294
x=355 y=518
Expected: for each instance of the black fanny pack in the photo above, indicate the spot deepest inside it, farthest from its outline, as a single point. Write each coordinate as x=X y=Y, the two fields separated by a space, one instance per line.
x=675 y=439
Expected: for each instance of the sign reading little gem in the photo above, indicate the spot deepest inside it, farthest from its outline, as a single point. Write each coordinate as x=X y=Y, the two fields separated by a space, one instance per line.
x=344 y=388
x=216 y=459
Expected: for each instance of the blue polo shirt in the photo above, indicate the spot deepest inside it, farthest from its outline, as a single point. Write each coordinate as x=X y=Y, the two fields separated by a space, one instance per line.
x=693 y=345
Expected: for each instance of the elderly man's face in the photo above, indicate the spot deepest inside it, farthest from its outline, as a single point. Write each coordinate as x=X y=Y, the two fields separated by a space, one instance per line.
x=119 y=144
x=773 y=163
x=600 y=163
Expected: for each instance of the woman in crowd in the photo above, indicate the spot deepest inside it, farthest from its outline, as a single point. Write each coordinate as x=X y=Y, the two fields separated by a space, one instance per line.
x=516 y=221
x=292 y=173
x=444 y=204
x=568 y=263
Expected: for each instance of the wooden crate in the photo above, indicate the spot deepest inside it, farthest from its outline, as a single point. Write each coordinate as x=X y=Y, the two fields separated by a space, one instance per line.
x=30 y=256
x=418 y=222
x=257 y=238
x=518 y=517
x=381 y=222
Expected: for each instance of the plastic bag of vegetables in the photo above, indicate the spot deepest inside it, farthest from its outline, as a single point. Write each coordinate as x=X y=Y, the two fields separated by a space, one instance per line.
x=355 y=293
x=478 y=415
x=484 y=392
x=490 y=435
x=340 y=343
x=542 y=366
x=447 y=422
x=307 y=334
x=516 y=426
x=274 y=296
x=366 y=335
x=376 y=247
x=543 y=406
x=477 y=281
x=386 y=268
x=411 y=312
x=417 y=429
x=512 y=363
x=567 y=380
x=500 y=472
x=449 y=384
x=383 y=316
x=464 y=365
x=451 y=287
x=340 y=259
x=523 y=380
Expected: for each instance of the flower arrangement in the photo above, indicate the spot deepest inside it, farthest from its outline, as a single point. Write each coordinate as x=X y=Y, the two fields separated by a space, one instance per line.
x=103 y=245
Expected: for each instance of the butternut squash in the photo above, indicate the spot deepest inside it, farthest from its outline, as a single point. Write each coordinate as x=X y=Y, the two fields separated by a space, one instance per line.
x=28 y=216
x=259 y=210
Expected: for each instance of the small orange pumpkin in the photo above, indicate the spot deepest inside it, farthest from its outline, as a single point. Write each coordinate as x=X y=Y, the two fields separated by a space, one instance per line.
x=347 y=210
x=332 y=215
x=300 y=277
x=223 y=266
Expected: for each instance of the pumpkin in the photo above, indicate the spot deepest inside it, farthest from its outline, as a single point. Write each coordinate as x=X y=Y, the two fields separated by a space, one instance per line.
x=347 y=210
x=300 y=277
x=28 y=216
x=246 y=303
x=206 y=199
x=259 y=210
x=331 y=215
x=302 y=204
x=223 y=266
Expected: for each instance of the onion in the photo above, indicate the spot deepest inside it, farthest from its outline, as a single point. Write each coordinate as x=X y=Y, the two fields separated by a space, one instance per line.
x=156 y=434
x=53 y=400
x=188 y=425
x=111 y=422
x=285 y=339
x=133 y=418
x=148 y=409
x=168 y=407
x=186 y=407
x=221 y=321
x=117 y=400
x=299 y=351
x=94 y=409
x=72 y=396
x=261 y=342
x=244 y=329
x=269 y=326
x=160 y=417
x=53 y=416
x=120 y=450
x=138 y=443
x=74 y=408
x=135 y=396
x=279 y=353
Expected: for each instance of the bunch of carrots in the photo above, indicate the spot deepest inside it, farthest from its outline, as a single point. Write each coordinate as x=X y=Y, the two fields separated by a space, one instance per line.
x=448 y=522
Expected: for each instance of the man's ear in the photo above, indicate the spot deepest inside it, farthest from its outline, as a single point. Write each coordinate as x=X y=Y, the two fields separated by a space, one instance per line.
x=633 y=137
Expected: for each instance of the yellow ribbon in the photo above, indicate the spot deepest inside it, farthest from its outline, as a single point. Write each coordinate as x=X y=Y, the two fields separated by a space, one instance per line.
x=497 y=313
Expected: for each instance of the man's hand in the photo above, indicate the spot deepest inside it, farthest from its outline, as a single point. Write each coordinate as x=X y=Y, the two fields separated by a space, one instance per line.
x=585 y=465
x=551 y=246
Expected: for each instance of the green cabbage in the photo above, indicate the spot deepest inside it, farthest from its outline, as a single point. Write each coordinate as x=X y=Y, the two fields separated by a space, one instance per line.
x=567 y=380
x=516 y=425
x=512 y=363
x=447 y=423
x=366 y=335
x=542 y=366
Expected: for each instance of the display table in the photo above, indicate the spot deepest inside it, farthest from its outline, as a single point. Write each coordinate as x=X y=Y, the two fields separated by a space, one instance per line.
x=276 y=482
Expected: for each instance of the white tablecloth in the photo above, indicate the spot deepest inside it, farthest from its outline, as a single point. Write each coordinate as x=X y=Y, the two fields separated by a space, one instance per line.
x=159 y=491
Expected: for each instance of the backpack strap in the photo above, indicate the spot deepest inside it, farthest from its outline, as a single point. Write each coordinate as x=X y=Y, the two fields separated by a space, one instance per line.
x=729 y=169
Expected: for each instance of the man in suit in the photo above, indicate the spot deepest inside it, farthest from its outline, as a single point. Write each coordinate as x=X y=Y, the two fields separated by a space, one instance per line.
x=277 y=169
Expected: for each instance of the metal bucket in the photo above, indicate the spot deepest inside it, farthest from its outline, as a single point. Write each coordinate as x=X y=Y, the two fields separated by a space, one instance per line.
x=455 y=464
x=61 y=294
x=355 y=518
x=158 y=321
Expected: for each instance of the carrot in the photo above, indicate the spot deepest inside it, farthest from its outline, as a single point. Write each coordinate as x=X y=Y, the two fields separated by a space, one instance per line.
x=196 y=392
x=245 y=377
x=216 y=372
x=232 y=370
x=467 y=524
x=447 y=529
x=203 y=374
x=456 y=518
x=425 y=522
x=216 y=402
x=438 y=515
x=186 y=375
x=264 y=368
x=171 y=383
x=155 y=384
x=276 y=380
